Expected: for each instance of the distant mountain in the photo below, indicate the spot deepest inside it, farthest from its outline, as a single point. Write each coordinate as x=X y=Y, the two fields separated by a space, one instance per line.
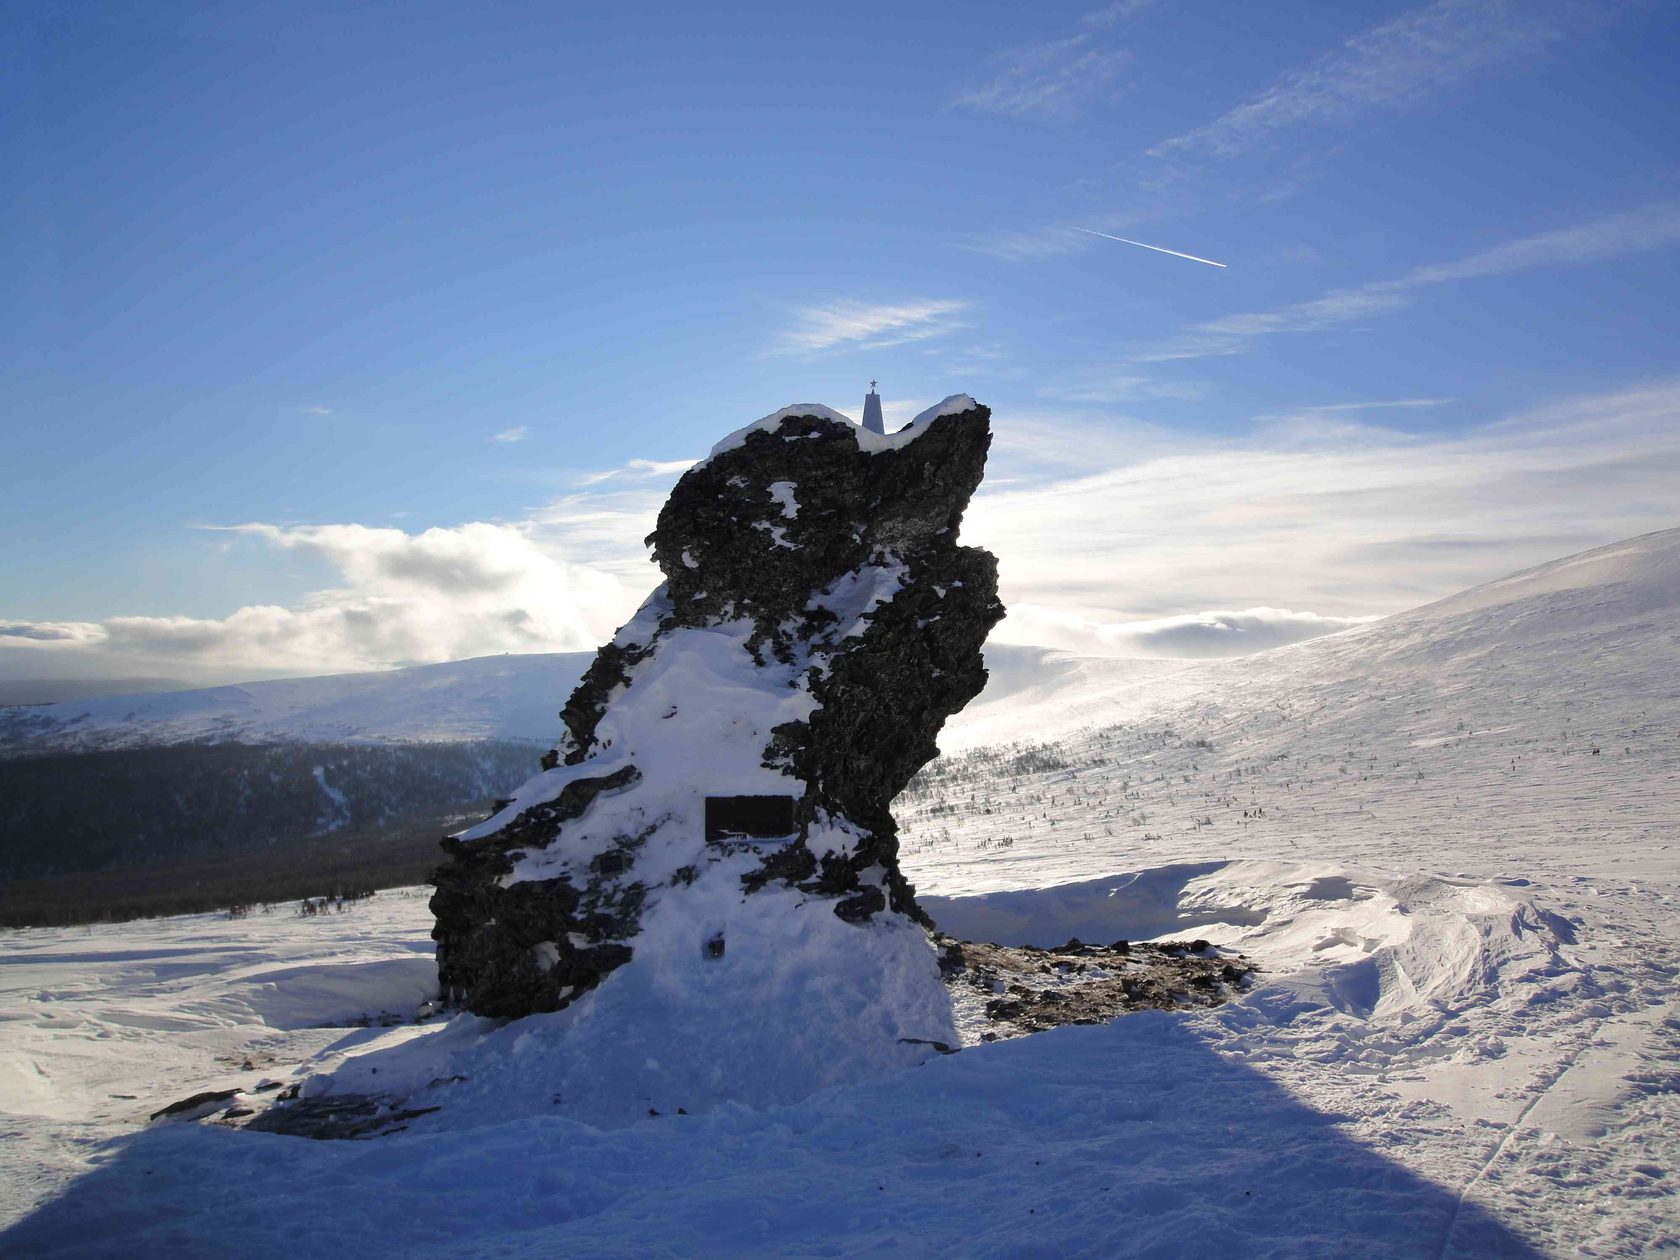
x=237 y=789
x=1599 y=630
x=515 y=699
x=506 y=698
x=58 y=690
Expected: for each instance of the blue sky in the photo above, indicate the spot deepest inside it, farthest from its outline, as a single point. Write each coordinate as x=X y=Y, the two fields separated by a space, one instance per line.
x=349 y=336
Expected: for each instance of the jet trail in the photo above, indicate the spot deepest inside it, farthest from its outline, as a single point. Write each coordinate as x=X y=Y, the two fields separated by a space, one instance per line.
x=1157 y=248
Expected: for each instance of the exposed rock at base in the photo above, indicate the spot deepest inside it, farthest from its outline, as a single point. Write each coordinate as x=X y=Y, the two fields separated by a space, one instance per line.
x=1005 y=991
x=817 y=625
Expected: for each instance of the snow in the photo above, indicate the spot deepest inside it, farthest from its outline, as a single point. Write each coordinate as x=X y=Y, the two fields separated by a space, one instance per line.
x=844 y=980
x=875 y=443
x=338 y=814
x=668 y=719
x=491 y=697
x=782 y=493
x=870 y=443
x=772 y=422
x=1465 y=1041
x=778 y=534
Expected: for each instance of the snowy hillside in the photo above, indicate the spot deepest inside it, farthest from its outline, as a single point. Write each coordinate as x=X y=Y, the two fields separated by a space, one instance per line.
x=1451 y=840
x=1539 y=706
x=491 y=698
x=510 y=698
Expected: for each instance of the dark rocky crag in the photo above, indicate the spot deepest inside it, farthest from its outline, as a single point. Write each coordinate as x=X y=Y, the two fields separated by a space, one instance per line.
x=775 y=540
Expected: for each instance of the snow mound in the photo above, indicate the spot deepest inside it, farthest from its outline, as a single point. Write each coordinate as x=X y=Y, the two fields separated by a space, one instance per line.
x=671 y=1034
x=332 y=994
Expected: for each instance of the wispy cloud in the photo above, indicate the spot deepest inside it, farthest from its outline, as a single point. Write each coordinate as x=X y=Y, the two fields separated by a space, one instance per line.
x=1345 y=423
x=317 y=411
x=1399 y=65
x=1352 y=523
x=1113 y=536
x=1612 y=236
x=637 y=469
x=1381 y=404
x=1193 y=636
x=1056 y=80
x=1050 y=242
x=1121 y=386
x=1118 y=11
x=861 y=326
x=516 y=434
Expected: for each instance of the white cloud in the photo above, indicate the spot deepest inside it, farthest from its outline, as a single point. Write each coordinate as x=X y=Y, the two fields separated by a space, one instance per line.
x=1610 y=236
x=1050 y=242
x=1113 y=536
x=860 y=326
x=1399 y=65
x=1196 y=636
x=77 y=633
x=517 y=434
x=442 y=594
x=1344 y=521
x=637 y=469
x=1056 y=80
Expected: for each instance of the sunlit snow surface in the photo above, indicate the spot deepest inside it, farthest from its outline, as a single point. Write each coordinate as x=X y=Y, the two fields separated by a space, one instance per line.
x=1466 y=1042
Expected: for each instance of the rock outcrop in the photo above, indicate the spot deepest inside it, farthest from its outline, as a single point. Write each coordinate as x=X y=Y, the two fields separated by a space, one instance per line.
x=717 y=813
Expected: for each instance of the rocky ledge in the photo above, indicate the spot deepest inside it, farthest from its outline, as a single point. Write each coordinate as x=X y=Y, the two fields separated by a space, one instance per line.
x=1005 y=991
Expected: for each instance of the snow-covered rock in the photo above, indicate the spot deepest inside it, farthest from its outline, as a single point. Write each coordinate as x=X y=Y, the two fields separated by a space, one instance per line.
x=710 y=850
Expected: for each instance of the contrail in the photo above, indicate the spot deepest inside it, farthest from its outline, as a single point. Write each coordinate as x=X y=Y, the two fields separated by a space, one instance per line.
x=1157 y=248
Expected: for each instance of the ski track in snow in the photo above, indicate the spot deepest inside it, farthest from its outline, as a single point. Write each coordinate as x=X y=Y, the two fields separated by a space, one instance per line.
x=1465 y=1043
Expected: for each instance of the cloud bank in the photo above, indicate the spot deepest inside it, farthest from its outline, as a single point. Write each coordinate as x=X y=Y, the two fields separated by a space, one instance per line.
x=1191 y=636
x=1336 y=518
x=442 y=594
x=1113 y=538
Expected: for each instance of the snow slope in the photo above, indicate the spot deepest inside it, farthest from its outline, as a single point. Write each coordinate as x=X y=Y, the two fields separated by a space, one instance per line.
x=490 y=697
x=1466 y=1041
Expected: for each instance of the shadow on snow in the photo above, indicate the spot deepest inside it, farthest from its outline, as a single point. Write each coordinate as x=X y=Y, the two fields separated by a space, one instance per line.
x=1131 y=1139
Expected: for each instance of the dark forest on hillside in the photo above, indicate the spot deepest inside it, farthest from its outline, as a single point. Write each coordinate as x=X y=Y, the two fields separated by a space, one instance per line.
x=126 y=833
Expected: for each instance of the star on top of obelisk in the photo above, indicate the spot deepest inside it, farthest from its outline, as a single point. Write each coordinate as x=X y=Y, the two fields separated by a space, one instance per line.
x=872 y=411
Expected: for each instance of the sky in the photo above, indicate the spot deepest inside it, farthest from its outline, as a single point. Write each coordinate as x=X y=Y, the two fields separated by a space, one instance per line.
x=345 y=337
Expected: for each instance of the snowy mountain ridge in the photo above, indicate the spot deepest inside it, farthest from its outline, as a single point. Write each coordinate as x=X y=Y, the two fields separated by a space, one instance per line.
x=1032 y=689
x=504 y=697
x=1556 y=625
x=507 y=697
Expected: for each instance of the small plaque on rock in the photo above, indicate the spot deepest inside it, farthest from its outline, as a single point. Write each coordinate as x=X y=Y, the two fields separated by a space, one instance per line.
x=749 y=818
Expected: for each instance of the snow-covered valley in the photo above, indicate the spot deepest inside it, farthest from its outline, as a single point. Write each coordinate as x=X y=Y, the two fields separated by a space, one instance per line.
x=1451 y=840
